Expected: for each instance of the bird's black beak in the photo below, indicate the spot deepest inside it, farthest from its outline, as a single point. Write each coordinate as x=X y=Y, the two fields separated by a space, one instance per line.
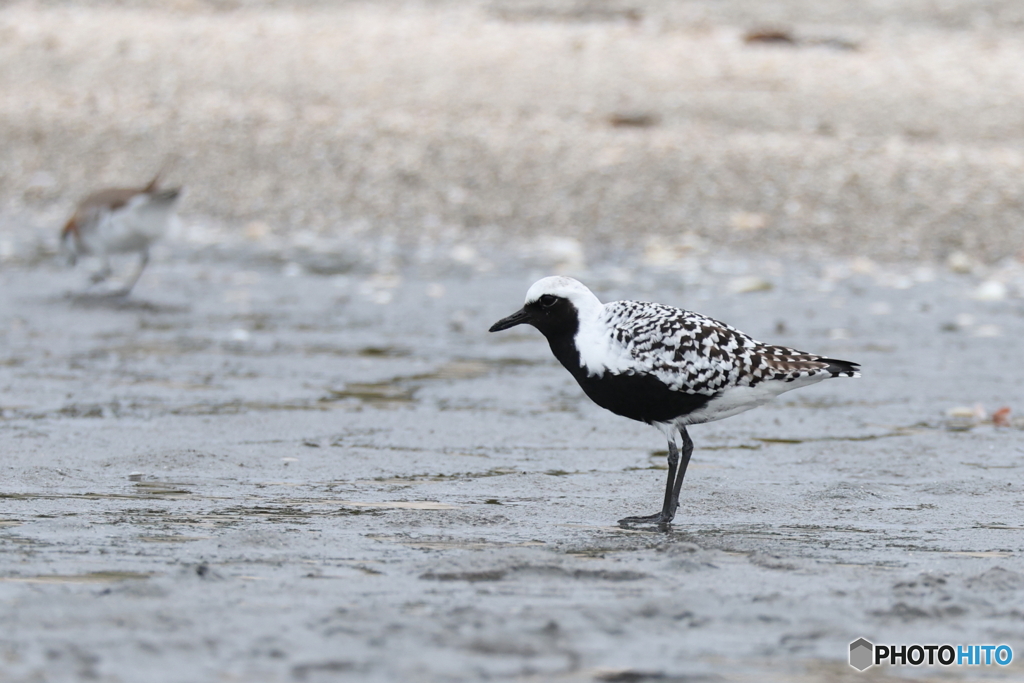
x=518 y=318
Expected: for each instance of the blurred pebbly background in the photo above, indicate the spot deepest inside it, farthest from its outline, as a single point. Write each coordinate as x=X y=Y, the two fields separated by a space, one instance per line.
x=888 y=131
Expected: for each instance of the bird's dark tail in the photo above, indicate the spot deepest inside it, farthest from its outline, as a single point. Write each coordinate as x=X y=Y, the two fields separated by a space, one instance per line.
x=168 y=162
x=153 y=183
x=166 y=196
x=842 y=368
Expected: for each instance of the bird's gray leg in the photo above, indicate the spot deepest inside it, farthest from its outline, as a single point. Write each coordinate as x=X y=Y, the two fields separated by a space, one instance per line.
x=677 y=487
x=668 y=510
x=104 y=272
x=67 y=252
x=138 y=273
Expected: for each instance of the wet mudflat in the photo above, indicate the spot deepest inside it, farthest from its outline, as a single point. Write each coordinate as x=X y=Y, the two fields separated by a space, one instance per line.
x=251 y=472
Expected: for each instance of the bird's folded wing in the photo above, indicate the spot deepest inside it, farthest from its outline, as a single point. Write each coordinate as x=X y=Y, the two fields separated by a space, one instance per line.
x=695 y=354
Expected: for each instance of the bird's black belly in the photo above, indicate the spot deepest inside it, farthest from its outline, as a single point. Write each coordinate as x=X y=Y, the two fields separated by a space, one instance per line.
x=639 y=397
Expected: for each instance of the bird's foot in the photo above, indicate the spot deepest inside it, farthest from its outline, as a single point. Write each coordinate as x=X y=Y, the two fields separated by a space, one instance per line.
x=660 y=519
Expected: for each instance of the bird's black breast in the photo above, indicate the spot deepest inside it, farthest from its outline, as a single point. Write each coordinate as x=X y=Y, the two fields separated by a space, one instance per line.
x=636 y=396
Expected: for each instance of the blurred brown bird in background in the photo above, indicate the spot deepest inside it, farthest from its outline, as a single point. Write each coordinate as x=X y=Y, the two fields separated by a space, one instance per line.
x=119 y=221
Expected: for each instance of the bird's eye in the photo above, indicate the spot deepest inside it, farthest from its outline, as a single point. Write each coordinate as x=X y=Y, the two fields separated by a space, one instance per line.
x=547 y=301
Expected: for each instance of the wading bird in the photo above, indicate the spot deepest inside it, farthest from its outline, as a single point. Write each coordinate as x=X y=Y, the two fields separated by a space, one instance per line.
x=119 y=221
x=664 y=366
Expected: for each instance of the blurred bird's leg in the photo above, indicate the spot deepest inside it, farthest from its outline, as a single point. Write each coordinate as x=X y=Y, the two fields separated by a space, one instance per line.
x=66 y=252
x=104 y=272
x=143 y=261
x=67 y=257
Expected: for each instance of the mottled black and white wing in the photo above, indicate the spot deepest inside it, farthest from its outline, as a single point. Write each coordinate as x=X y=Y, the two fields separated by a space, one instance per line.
x=695 y=354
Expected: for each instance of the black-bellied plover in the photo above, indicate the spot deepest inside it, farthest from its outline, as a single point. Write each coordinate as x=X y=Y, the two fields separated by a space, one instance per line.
x=119 y=221
x=664 y=366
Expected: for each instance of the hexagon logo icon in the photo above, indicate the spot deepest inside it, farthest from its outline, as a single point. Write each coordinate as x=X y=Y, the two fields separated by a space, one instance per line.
x=862 y=654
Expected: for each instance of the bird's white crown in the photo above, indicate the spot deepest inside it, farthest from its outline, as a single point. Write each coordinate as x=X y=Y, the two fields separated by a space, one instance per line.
x=566 y=287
